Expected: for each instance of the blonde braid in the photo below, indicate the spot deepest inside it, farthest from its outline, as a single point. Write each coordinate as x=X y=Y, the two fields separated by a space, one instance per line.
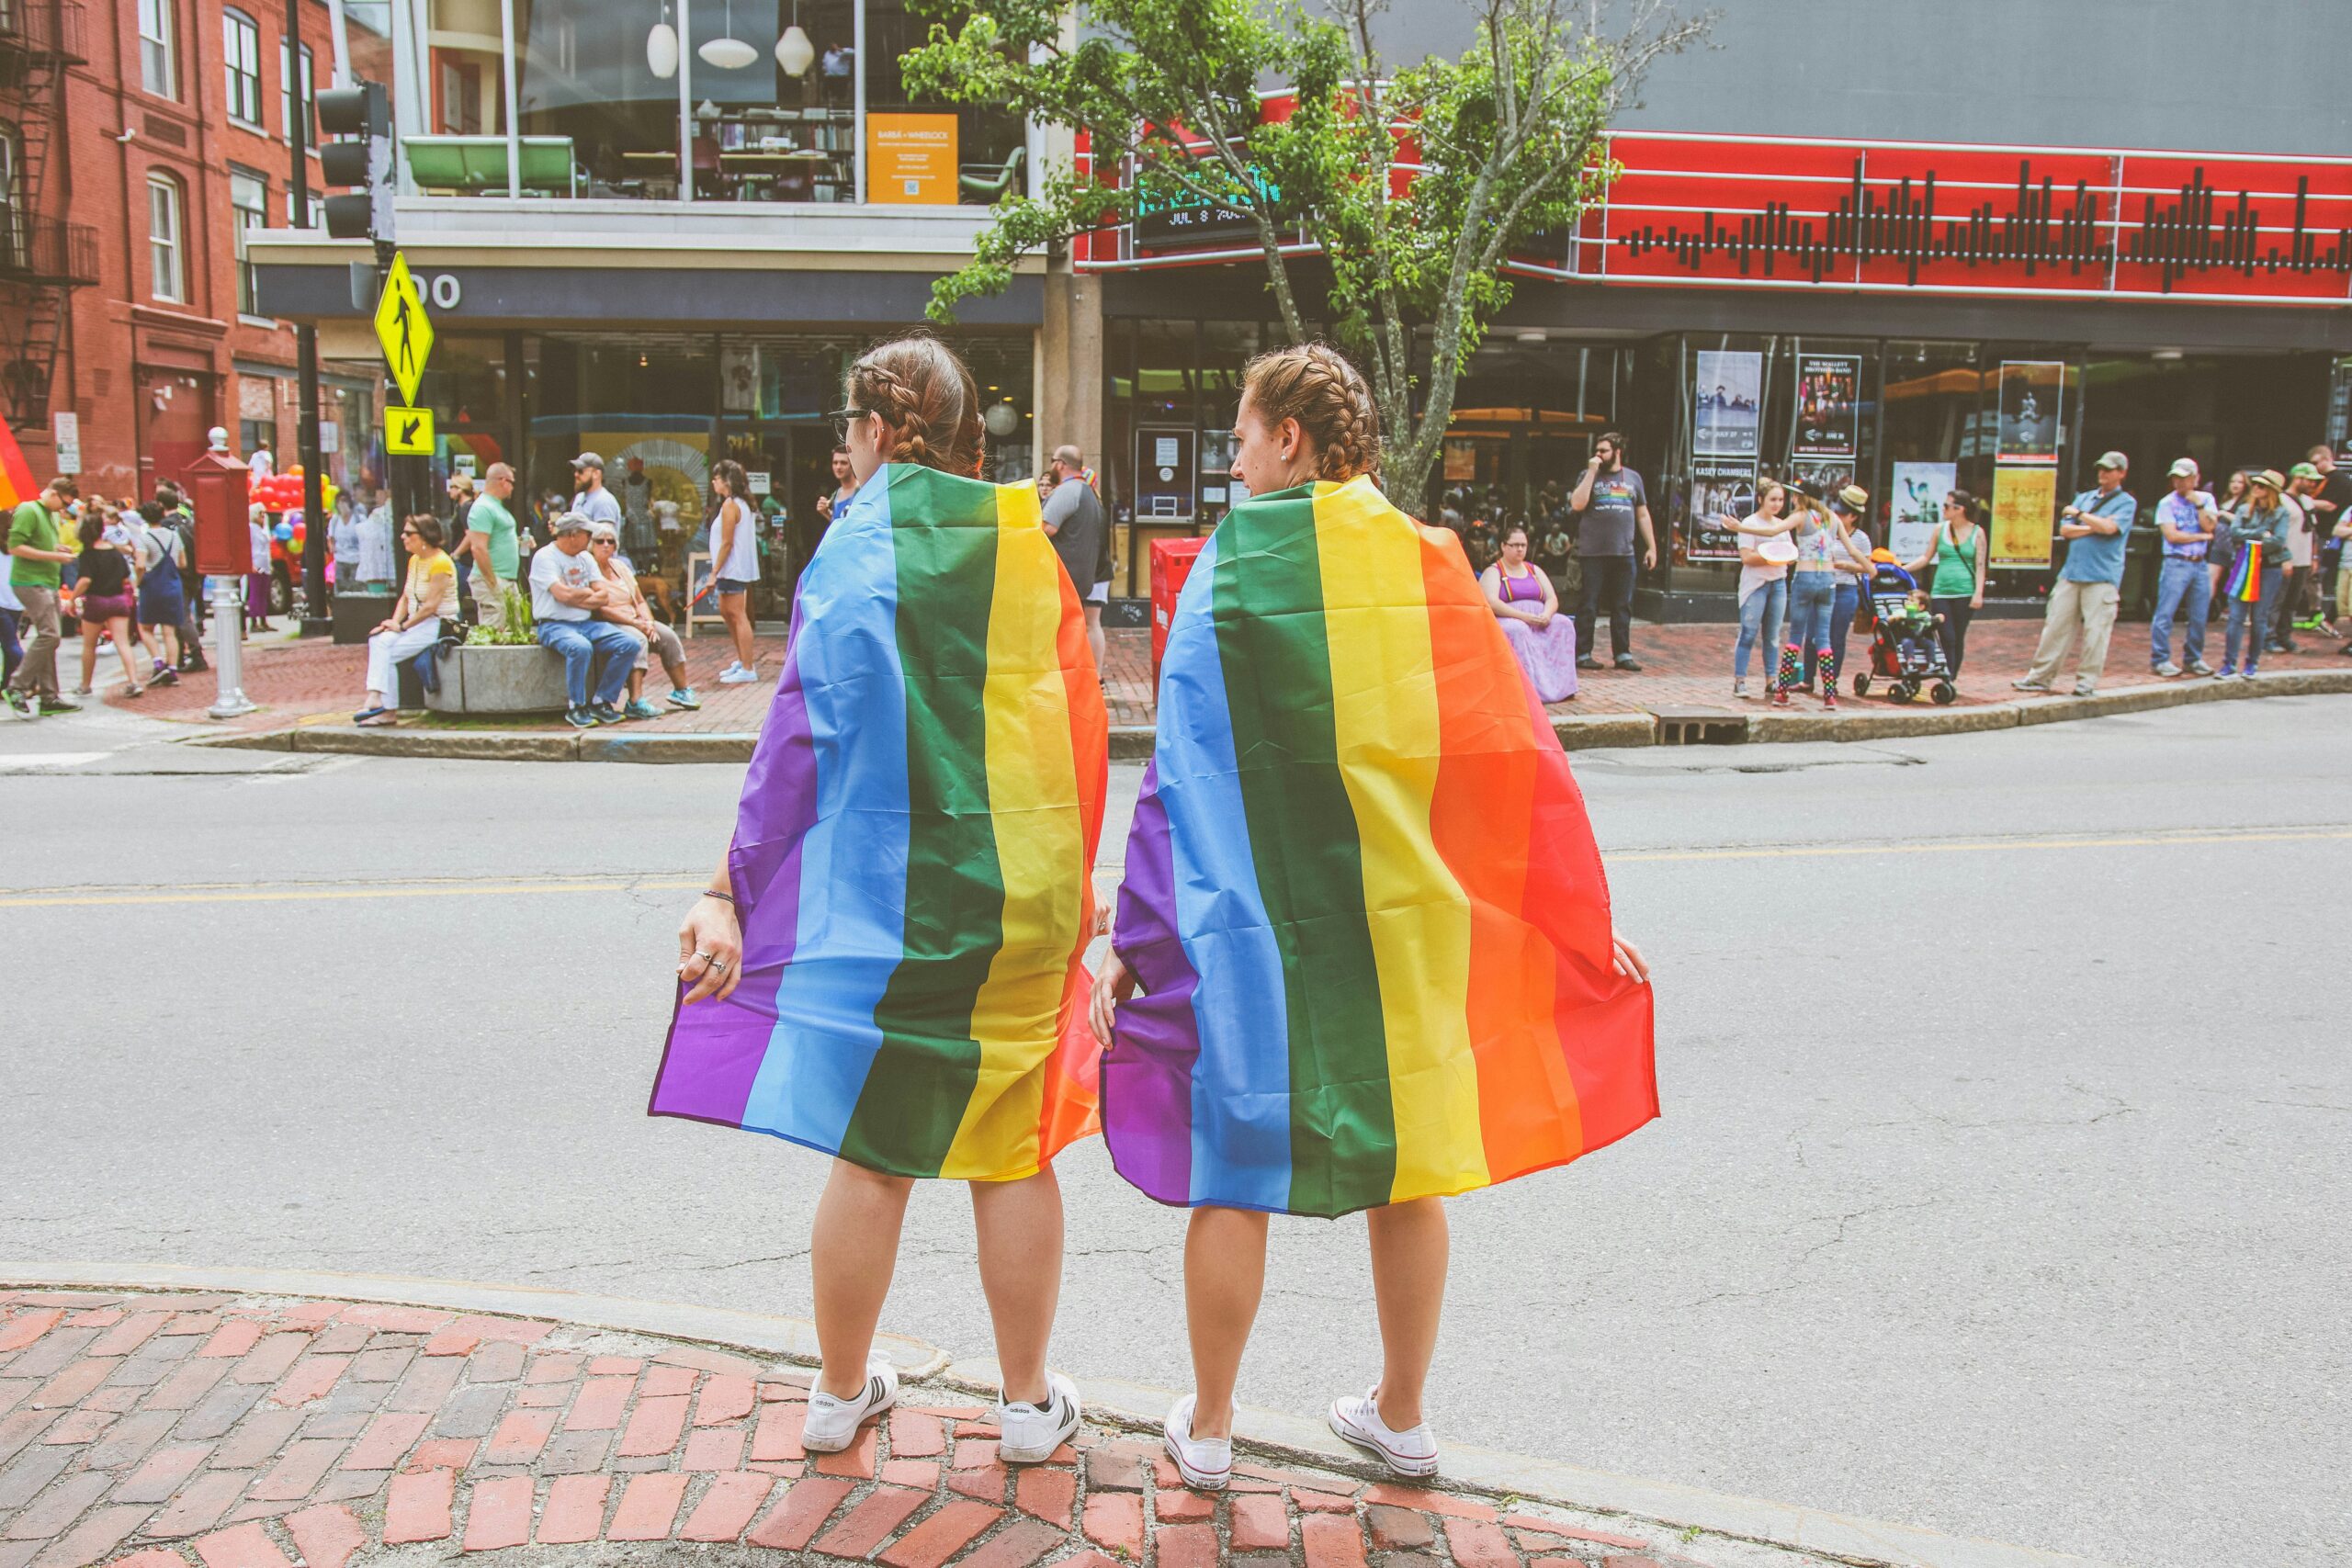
x=919 y=389
x=1314 y=384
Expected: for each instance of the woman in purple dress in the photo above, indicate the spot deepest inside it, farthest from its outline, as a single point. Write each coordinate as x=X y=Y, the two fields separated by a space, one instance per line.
x=1522 y=599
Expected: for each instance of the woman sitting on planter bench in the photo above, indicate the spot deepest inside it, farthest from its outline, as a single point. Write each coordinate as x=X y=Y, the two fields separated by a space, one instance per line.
x=414 y=625
x=629 y=608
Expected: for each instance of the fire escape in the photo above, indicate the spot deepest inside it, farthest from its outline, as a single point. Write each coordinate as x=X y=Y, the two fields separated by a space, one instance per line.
x=42 y=257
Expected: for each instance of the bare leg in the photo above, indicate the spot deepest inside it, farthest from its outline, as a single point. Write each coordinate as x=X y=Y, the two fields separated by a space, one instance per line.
x=636 y=685
x=853 y=1251
x=1225 y=1276
x=1409 y=1259
x=89 y=652
x=1020 y=1227
x=124 y=644
x=1094 y=638
x=737 y=609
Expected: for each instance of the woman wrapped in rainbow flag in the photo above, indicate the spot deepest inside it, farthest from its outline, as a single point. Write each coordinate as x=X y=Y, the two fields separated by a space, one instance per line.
x=1364 y=908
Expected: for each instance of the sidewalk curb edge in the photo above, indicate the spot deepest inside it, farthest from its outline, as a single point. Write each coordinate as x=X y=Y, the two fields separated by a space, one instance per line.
x=1867 y=1543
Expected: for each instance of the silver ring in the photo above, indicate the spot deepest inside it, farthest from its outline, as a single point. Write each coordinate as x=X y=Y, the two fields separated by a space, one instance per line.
x=701 y=955
x=718 y=964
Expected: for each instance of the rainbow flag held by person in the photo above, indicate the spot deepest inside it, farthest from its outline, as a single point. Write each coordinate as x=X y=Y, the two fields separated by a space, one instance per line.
x=1361 y=897
x=2245 y=574
x=16 y=483
x=913 y=857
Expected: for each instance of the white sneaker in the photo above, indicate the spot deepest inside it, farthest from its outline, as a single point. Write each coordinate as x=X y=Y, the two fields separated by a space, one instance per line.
x=736 y=676
x=833 y=1424
x=1028 y=1434
x=1409 y=1454
x=1205 y=1464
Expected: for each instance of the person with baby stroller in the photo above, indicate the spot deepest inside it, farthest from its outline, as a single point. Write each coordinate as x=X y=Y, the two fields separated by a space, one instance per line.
x=1906 y=645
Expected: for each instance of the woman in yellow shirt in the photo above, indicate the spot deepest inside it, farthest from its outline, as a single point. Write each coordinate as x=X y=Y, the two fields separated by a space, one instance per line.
x=414 y=624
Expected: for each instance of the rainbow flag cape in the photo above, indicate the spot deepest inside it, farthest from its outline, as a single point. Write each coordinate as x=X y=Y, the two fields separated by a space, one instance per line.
x=1361 y=897
x=2245 y=574
x=914 y=853
x=16 y=483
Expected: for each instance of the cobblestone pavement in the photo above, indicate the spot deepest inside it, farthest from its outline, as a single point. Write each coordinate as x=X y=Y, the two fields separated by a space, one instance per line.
x=222 y=1431
x=1683 y=666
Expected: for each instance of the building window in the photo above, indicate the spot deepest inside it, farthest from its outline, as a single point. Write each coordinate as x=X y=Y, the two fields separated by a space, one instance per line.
x=285 y=98
x=12 y=197
x=166 y=278
x=294 y=219
x=159 y=65
x=249 y=201
x=241 y=53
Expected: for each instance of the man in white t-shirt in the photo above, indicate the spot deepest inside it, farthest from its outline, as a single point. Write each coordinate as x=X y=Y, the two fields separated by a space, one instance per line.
x=567 y=589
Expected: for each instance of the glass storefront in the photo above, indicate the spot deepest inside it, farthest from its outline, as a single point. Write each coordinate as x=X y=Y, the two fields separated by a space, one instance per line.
x=712 y=100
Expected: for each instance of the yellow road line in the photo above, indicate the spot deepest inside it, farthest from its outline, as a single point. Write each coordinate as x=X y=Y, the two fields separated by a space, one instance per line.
x=60 y=897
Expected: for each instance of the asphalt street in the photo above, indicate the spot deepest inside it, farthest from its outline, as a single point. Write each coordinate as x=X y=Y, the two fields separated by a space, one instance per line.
x=2000 y=1186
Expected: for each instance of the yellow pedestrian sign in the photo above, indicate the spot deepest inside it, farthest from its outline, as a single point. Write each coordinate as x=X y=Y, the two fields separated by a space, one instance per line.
x=403 y=329
x=408 y=433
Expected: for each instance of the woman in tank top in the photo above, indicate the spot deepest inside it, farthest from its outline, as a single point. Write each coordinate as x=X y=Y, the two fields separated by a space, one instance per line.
x=1956 y=592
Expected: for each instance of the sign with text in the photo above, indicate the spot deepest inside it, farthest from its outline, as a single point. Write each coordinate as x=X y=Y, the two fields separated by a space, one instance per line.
x=911 y=158
x=2025 y=501
x=1828 y=406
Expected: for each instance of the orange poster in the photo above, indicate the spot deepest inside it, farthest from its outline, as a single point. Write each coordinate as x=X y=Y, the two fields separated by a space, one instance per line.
x=911 y=158
x=2025 y=505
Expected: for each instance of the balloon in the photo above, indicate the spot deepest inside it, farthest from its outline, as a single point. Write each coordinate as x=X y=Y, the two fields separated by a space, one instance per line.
x=302 y=531
x=283 y=532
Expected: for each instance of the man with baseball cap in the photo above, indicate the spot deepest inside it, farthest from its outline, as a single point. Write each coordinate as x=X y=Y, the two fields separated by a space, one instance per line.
x=2186 y=518
x=2082 y=600
x=590 y=498
x=568 y=587
x=2303 y=482
x=2330 y=506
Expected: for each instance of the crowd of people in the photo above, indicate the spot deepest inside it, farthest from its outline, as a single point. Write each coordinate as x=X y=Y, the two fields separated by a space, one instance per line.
x=121 y=569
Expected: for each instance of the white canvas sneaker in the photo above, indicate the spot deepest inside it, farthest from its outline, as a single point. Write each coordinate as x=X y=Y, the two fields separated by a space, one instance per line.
x=831 y=1424
x=1028 y=1434
x=1205 y=1464
x=1409 y=1454
x=737 y=675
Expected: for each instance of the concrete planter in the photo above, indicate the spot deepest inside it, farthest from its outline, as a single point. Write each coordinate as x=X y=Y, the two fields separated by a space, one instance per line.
x=499 y=680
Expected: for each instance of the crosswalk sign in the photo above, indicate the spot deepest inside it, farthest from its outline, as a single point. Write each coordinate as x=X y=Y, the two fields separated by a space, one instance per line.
x=402 y=329
x=408 y=433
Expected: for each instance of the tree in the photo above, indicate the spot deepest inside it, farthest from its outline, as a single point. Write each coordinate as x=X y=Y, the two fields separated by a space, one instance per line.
x=1415 y=184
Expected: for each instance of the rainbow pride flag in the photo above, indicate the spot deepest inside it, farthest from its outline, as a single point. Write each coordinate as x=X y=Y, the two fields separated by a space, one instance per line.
x=1361 y=897
x=16 y=483
x=914 y=853
x=2245 y=573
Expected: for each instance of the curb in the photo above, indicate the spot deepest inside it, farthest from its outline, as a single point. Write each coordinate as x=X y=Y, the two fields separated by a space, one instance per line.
x=1867 y=1543
x=1577 y=732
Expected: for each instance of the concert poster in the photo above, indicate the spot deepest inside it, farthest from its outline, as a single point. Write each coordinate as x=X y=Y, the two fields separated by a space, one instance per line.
x=2025 y=506
x=2032 y=390
x=1828 y=406
x=1917 y=505
x=1723 y=490
x=1726 y=400
x=1822 y=477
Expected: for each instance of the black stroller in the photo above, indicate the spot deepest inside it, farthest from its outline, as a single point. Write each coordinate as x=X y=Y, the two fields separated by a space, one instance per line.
x=1906 y=658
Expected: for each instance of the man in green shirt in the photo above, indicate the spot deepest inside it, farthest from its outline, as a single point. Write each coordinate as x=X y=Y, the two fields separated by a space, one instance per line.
x=489 y=537
x=36 y=550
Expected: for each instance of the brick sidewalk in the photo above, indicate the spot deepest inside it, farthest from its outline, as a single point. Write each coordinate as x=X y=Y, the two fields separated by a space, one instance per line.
x=301 y=683
x=222 y=1431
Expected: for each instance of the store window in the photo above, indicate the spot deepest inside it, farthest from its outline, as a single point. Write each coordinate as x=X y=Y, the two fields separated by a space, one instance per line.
x=286 y=96
x=774 y=101
x=166 y=273
x=1751 y=408
x=241 y=57
x=12 y=197
x=159 y=65
x=249 y=202
x=923 y=151
x=598 y=99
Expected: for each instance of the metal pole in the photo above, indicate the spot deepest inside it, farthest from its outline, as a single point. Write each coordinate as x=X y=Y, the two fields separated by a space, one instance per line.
x=316 y=618
x=228 y=648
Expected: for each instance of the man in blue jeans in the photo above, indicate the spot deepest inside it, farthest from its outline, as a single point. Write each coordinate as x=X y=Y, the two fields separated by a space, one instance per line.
x=2185 y=516
x=567 y=589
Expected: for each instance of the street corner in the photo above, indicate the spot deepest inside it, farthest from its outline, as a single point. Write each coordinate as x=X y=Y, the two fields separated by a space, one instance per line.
x=214 y=1429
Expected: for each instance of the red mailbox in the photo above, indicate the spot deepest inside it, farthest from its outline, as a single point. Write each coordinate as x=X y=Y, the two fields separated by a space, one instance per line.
x=217 y=484
x=1171 y=563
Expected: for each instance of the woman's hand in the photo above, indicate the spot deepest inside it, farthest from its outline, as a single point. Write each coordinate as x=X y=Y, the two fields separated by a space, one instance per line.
x=1976 y=601
x=1629 y=960
x=1539 y=619
x=710 y=947
x=1113 y=984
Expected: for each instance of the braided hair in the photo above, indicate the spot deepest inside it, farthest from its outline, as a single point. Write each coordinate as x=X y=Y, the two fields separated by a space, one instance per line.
x=1314 y=384
x=927 y=399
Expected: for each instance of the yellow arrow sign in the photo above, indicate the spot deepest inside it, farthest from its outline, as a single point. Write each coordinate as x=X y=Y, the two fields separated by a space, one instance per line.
x=408 y=433
x=403 y=329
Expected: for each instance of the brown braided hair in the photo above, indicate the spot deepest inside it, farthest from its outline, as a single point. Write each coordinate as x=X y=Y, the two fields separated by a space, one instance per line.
x=927 y=399
x=1314 y=384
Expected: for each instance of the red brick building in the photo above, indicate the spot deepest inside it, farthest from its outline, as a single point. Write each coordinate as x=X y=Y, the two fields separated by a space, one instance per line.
x=137 y=138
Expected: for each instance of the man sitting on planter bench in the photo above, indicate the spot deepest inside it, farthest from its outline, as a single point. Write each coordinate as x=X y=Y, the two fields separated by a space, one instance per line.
x=567 y=589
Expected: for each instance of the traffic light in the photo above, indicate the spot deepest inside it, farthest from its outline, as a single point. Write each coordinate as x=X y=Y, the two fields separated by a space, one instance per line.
x=362 y=115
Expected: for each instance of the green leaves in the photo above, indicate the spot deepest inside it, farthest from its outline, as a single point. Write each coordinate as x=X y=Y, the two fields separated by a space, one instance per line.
x=1416 y=183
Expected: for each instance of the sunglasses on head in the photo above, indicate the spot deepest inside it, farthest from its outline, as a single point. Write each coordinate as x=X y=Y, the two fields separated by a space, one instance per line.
x=842 y=419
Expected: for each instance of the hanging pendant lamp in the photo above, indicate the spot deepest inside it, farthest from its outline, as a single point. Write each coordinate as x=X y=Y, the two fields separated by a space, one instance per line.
x=794 y=51
x=662 y=48
x=728 y=53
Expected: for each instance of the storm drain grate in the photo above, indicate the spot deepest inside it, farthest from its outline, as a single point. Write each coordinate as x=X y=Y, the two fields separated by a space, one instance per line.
x=1700 y=726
